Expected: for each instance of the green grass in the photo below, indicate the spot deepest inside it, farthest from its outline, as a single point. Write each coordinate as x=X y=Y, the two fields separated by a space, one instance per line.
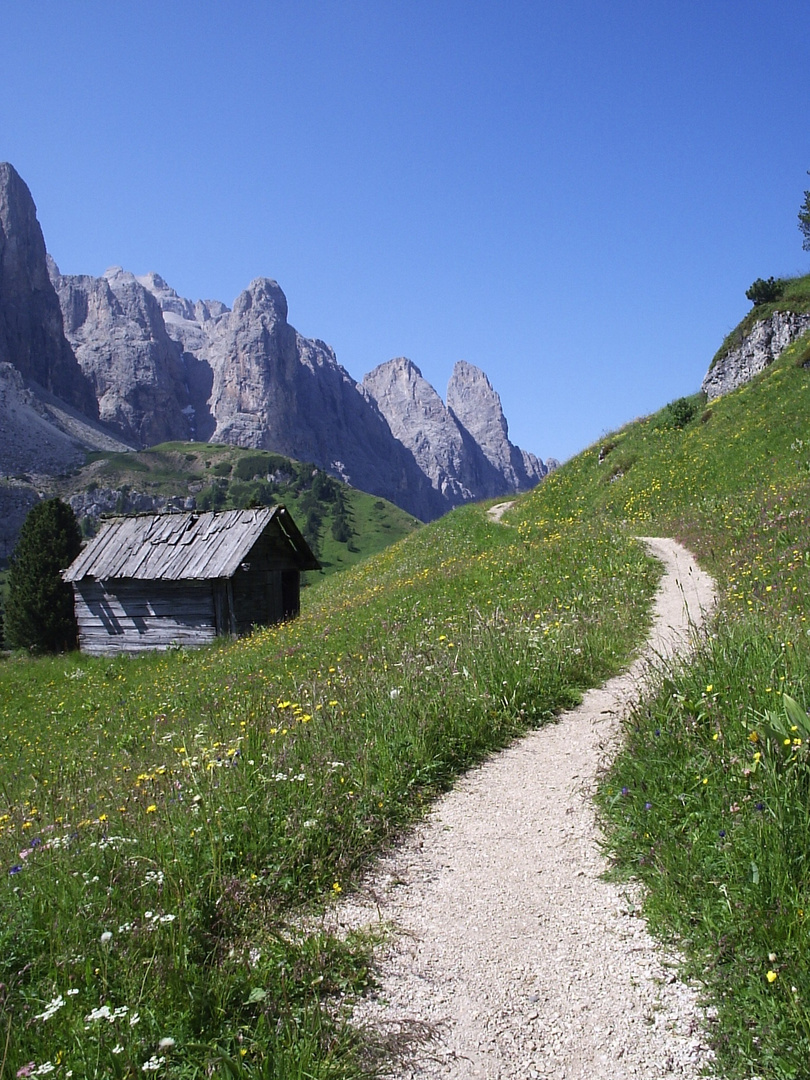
x=220 y=476
x=191 y=804
x=195 y=805
x=707 y=810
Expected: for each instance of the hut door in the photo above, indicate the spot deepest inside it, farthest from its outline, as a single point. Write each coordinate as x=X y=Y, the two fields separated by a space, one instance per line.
x=223 y=607
x=290 y=595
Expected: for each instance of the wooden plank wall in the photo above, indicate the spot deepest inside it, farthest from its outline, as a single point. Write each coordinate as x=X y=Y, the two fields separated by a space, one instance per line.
x=135 y=616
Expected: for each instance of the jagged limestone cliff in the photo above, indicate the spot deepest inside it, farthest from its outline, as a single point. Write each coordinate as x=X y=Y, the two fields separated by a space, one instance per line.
x=153 y=366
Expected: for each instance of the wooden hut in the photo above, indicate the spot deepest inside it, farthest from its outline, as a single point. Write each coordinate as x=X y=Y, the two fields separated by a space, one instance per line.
x=163 y=580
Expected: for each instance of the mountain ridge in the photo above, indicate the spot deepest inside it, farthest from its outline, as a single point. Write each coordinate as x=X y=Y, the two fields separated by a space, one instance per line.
x=153 y=366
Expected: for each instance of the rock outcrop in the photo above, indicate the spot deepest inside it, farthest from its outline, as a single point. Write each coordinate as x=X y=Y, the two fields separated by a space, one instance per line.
x=31 y=335
x=444 y=449
x=152 y=366
x=471 y=398
x=757 y=350
x=119 y=338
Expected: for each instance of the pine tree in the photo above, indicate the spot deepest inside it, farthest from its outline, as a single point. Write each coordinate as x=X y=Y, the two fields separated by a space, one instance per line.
x=39 y=604
x=804 y=220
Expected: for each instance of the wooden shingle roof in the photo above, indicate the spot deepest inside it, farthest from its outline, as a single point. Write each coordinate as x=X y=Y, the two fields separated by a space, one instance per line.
x=191 y=547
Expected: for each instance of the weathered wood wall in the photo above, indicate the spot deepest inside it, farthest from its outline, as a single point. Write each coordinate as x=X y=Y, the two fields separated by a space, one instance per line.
x=135 y=616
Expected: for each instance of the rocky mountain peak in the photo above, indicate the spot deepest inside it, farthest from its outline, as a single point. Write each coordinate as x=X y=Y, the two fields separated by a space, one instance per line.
x=263 y=295
x=156 y=367
x=444 y=449
x=31 y=334
x=477 y=405
x=473 y=401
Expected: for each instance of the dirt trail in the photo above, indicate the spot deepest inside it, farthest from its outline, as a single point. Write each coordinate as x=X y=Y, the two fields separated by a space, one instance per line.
x=509 y=949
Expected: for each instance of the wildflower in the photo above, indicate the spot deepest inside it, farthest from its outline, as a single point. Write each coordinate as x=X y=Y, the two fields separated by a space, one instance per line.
x=118 y=1049
x=15 y=869
x=336 y=888
x=151 y=808
x=772 y=976
x=106 y=937
x=166 y=1044
x=101 y=1013
x=51 y=1008
x=153 y=1064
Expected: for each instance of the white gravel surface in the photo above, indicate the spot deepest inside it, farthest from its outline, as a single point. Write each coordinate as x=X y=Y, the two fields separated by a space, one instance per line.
x=507 y=954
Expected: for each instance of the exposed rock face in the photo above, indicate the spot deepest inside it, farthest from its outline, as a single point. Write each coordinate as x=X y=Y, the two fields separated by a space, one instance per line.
x=92 y=504
x=154 y=366
x=276 y=390
x=444 y=449
x=757 y=350
x=31 y=336
x=119 y=337
x=29 y=440
x=477 y=406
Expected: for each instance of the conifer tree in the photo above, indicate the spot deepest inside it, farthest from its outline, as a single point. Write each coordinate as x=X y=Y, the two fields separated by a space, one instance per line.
x=39 y=604
x=804 y=220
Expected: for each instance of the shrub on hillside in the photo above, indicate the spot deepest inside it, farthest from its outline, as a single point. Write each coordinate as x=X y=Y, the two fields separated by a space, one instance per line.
x=765 y=292
x=679 y=413
x=39 y=605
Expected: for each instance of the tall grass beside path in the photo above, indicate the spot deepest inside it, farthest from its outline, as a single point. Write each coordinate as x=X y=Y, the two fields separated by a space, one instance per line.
x=166 y=820
x=704 y=804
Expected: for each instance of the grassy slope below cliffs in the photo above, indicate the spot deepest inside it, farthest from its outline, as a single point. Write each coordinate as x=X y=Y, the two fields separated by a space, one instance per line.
x=709 y=804
x=192 y=805
x=165 y=821
x=343 y=525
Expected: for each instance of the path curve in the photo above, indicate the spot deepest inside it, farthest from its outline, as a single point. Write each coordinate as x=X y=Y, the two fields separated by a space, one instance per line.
x=496 y=512
x=511 y=957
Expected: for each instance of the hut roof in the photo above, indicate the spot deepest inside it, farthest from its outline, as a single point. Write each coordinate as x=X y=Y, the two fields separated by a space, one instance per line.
x=191 y=546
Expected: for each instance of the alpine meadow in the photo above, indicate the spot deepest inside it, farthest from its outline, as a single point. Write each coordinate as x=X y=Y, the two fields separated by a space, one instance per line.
x=172 y=826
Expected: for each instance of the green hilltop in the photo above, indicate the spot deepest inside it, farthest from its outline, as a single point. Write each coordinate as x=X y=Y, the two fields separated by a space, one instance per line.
x=194 y=805
x=342 y=525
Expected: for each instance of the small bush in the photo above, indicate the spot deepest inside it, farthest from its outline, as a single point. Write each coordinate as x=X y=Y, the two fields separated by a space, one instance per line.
x=765 y=292
x=678 y=413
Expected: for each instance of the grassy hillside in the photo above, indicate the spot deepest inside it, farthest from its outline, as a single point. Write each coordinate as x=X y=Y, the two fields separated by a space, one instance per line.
x=342 y=525
x=166 y=821
x=709 y=804
x=189 y=804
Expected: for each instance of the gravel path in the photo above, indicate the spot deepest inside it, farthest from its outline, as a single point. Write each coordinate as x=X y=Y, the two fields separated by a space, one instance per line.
x=509 y=956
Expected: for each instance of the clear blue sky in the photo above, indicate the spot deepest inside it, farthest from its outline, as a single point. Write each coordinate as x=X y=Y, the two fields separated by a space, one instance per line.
x=572 y=194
